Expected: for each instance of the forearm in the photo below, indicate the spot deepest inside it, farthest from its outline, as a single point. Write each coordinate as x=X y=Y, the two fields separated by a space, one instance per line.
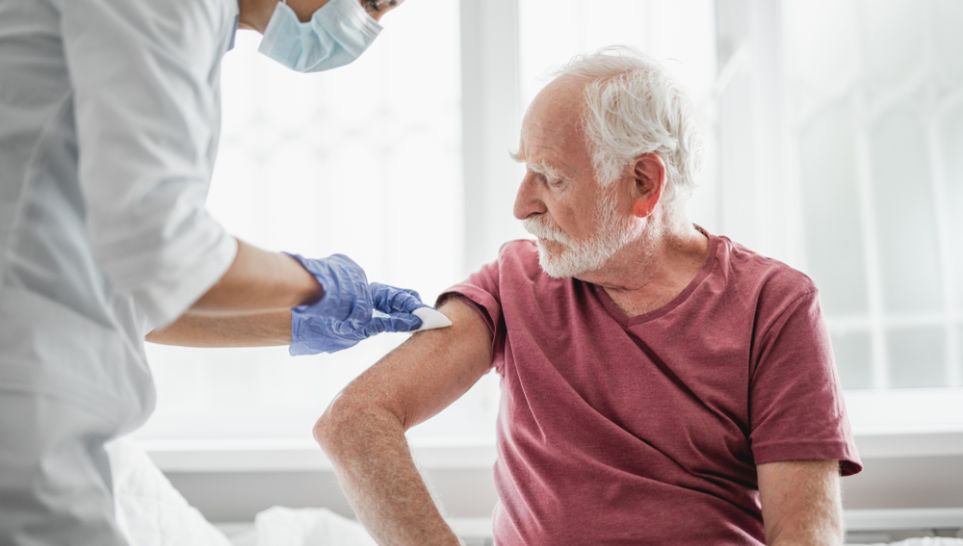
x=810 y=540
x=815 y=529
x=368 y=448
x=259 y=281
x=823 y=536
x=246 y=330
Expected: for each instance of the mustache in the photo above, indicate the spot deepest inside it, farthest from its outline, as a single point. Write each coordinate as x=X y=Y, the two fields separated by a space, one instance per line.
x=541 y=228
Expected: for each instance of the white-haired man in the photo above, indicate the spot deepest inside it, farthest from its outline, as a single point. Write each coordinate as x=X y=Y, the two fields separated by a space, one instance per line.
x=660 y=385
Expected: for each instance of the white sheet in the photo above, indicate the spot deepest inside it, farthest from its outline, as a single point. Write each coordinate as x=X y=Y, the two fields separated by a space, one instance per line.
x=151 y=512
x=280 y=526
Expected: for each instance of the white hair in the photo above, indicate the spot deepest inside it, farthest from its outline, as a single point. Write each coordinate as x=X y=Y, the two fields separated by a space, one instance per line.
x=634 y=107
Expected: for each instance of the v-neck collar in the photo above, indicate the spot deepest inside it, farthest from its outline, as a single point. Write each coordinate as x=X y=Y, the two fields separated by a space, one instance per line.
x=626 y=320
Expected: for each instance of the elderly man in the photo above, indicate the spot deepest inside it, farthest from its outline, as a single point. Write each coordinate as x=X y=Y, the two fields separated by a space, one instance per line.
x=660 y=384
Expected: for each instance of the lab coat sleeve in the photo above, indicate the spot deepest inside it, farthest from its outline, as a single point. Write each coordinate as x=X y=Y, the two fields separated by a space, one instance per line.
x=145 y=83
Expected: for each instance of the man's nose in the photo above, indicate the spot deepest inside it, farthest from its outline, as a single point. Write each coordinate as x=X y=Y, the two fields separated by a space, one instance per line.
x=528 y=200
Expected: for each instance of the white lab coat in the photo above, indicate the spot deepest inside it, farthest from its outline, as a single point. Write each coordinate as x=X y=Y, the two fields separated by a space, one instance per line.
x=109 y=123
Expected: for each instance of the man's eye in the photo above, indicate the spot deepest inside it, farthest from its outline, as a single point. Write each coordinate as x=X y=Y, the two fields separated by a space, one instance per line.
x=555 y=182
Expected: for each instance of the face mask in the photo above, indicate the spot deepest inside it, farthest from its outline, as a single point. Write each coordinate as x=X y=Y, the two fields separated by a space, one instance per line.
x=337 y=34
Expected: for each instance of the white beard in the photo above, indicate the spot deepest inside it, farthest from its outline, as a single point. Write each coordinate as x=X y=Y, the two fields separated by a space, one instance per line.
x=577 y=257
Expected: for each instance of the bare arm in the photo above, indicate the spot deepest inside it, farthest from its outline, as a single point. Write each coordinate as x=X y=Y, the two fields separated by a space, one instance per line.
x=244 y=330
x=249 y=306
x=801 y=502
x=258 y=281
x=363 y=430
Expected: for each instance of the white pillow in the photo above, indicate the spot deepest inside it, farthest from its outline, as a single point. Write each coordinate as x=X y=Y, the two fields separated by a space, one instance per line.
x=280 y=526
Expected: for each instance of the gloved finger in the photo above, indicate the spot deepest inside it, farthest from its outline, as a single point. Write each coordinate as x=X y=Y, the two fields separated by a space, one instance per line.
x=399 y=322
x=400 y=299
x=390 y=299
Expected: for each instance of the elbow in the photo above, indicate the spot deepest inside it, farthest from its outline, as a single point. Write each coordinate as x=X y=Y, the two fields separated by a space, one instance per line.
x=332 y=425
x=349 y=424
x=825 y=533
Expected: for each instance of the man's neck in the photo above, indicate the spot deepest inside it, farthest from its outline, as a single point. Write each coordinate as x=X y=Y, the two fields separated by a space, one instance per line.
x=649 y=272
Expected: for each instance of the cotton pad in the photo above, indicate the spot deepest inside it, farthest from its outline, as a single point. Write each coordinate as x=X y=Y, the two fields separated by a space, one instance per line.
x=431 y=318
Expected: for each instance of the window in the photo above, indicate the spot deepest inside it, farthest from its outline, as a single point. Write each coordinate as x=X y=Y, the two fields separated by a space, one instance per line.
x=839 y=130
x=877 y=124
x=834 y=135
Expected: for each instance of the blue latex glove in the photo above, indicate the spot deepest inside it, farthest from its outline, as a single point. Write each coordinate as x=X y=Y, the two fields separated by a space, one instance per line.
x=343 y=317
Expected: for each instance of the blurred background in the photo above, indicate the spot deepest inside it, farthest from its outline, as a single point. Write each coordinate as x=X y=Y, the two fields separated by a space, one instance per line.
x=835 y=144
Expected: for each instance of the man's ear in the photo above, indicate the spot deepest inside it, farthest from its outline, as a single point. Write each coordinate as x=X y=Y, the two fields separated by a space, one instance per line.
x=648 y=173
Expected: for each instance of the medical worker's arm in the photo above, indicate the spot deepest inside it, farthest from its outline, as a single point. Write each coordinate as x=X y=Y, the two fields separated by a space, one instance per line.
x=244 y=330
x=259 y=280
x=363 y=430
x=334 y=307
x=801 y=503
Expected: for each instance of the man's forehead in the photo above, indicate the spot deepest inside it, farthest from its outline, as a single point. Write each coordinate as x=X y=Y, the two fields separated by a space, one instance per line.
x=550 y=149
x=552 y=138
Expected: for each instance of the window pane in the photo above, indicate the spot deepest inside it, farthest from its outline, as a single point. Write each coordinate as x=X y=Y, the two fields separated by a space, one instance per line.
x=917 y=357
x=853 y=359
x=831 y=63
x=892 y=41
x=905 y=213
x=831 y=211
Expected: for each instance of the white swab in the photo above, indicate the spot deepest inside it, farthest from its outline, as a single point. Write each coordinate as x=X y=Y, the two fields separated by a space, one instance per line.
x=431 y=318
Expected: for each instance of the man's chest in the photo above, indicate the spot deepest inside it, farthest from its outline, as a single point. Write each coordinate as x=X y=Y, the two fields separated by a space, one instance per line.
x=657 y=383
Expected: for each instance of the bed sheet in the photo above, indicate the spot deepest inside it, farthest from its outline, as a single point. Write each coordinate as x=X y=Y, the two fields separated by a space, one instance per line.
x=151 y=512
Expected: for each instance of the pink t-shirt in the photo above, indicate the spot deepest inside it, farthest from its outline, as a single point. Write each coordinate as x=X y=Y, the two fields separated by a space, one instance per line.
x=648 y=429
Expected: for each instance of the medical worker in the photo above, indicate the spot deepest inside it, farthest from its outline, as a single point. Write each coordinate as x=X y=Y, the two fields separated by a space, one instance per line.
x=109 y=122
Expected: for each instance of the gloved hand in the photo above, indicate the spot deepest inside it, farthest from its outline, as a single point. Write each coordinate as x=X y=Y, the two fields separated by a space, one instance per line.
x=343 y=316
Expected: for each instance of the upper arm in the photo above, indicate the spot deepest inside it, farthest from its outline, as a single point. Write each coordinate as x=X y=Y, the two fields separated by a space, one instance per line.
x=801 y=502
x=427 y=372
x=143 y=78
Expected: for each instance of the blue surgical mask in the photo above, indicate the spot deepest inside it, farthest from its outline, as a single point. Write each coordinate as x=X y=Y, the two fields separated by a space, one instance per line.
x=337 y=34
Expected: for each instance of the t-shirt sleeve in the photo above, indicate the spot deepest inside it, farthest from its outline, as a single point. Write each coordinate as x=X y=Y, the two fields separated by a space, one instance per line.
x=481 y=291
x=796 y=406
x=146 y=114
